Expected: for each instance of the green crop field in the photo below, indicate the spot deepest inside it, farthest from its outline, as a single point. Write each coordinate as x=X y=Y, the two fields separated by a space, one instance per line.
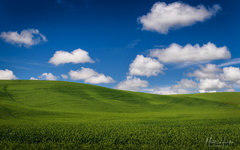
x=64 y=115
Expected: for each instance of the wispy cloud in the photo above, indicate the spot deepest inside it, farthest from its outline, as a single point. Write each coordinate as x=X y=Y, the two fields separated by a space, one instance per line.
x=231 y=62
x=133 y=43
x=23 y=68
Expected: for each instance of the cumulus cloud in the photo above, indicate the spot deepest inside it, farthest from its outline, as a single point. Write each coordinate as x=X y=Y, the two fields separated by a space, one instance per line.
x=190 y=53
x=210 y=71
x=32 y=78
x=185 y=86
x=145 y=66
x=82 y=74
x=207 y=79
x=163 y=91
x=132 y=84
x=100 y=78
x=232 y=74
x=76 y=56
x=7 y=75
x=210 y=68
x=47 y=76
x=164 y=17
x=211 y=85
x=207 y=91
x=212 y=78
x=90 y=76
x=64 y=76
x=27 y=38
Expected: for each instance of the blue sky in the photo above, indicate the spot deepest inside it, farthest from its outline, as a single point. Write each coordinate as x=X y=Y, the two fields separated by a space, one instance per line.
x=162 y=47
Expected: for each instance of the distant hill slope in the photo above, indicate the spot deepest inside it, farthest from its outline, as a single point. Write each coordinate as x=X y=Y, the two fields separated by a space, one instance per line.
x=21 y=98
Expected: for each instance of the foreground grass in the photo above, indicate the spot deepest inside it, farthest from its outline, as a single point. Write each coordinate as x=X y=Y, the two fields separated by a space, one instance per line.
x=155 y=134
x=62 y=115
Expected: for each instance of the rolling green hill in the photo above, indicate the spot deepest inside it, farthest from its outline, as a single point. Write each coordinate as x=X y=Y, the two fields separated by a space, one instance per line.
x=65 y=115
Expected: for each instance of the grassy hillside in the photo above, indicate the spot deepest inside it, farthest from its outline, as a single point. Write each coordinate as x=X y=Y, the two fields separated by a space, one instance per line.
x=65 y=115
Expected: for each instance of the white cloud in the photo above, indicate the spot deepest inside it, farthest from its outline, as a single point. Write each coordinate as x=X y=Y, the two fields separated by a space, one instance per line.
x=76 y=56
x=82 y=74
x=232 y=74
x=90 y=76
x=64 y=76
x=190 y=53
x=132 y=84
x=205 y=91
x=47 y=76
x=210 y=71
x=210 y=68
x=32 y=78
x=211 y=85
x=7 y=75
x=27 y=38
x=164 y=91
x=231 y=62
x=145 y=66
x=185 y=84
x=99 y=78
x=208 y=79
x=164 y=17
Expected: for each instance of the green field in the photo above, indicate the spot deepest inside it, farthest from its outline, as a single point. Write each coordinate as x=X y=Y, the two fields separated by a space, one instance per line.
x=65 y=115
